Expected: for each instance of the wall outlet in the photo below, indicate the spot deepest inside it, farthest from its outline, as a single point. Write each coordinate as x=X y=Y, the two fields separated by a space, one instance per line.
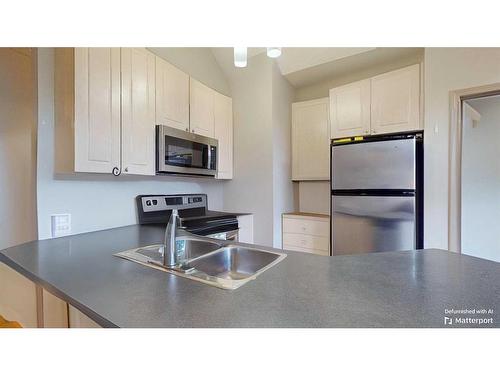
x=61 y=225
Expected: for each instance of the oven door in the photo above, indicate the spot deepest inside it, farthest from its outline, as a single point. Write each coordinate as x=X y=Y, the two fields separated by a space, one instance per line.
x=185 y=153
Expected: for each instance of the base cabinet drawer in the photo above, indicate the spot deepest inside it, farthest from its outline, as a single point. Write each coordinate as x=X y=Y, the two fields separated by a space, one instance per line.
x=306 y=241
x=303 y=250
x=305 y=226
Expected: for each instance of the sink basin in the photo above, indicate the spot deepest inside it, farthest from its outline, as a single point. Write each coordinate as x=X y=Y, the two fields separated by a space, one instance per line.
x=194 y=249
x=233 y=262
x=209 y=261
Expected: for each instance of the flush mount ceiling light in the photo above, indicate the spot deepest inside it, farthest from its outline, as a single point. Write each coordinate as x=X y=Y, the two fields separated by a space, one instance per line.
x=240 y=57
x=273 y=52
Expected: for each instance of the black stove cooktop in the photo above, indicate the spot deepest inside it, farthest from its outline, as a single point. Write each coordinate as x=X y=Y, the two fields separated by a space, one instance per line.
x=193 y=212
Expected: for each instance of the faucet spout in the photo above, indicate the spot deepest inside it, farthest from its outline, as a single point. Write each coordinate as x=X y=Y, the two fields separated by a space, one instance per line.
x=170 y=256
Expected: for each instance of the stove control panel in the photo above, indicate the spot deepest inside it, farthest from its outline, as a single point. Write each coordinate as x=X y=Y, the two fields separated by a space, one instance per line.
x=153 y=203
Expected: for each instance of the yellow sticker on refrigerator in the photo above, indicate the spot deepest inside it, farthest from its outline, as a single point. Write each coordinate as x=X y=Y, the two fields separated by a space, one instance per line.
x=342 y=140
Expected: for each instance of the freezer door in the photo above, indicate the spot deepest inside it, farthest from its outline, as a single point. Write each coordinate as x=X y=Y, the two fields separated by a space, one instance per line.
x=365 y=224
x=388 y=164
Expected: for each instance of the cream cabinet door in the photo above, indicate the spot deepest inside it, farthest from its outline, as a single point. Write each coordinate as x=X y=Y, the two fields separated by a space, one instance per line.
x=97 y=109
x=396 y=101
x=223 y=132
x=201 y=109
x=311 y=140
x=350 y=109
x=138 y=111
x=172 y=96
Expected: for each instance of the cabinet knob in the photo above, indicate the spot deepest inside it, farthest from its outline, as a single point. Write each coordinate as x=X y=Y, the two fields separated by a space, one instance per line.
x=126 y=169
x=192 y=131
x=187 y=129
x=116 y=171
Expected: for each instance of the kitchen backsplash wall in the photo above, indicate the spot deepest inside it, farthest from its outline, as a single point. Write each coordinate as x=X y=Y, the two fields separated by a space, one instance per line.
x=100 y=201
x=314 y=197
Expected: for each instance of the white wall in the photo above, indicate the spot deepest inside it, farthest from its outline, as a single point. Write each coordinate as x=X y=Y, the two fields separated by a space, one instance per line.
x=94 y=201
x=17 y=147
x=251 y=189
x=283 y=194
x=481 y=181
x=447 y=69
x=314 y=197
x=261 y=183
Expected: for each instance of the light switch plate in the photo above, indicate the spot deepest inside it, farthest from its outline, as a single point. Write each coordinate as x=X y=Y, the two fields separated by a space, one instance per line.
x=61 y=225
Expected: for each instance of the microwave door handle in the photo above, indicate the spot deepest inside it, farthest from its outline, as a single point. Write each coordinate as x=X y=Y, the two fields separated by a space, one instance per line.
x=209 y=156
x=161 y=149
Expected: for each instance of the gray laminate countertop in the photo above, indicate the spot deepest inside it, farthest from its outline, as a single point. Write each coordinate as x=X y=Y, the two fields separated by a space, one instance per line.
x=396 y=289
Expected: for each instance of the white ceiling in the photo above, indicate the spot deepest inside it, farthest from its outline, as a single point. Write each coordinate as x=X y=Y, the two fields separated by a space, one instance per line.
x=294 y=59
x=307 y=65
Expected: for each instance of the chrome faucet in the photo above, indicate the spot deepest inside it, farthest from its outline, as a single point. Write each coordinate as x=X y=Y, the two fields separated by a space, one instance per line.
x=172 y=254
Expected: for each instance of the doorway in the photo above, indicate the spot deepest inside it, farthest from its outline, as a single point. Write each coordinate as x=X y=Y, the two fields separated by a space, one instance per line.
x=480 y=206
x=474 y=175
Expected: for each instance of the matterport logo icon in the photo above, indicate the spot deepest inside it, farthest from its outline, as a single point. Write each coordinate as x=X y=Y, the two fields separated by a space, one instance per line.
x=468 y=317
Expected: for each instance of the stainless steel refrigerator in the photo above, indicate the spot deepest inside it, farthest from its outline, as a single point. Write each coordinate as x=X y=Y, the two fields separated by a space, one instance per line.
x=377 y=194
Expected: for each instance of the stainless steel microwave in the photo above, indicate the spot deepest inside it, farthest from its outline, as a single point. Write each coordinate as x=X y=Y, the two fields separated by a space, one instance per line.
x=181 y=152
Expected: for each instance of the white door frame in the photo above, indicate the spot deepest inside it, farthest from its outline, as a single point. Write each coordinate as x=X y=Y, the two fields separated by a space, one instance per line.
x=455 y=159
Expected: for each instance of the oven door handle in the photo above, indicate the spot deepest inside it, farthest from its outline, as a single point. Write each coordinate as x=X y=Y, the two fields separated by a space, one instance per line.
x=231 y=235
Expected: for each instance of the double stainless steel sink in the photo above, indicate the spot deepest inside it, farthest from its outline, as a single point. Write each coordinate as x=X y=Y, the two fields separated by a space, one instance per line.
x=219 y=263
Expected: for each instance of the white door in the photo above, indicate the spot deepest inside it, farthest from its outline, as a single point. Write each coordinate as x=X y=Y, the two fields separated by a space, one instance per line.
x=223 y=116
x=97 y=109
x=350 y=109
x=396 y=101
x=138 y=111
x=311 y=140
x=172 y=96
x=201 y=109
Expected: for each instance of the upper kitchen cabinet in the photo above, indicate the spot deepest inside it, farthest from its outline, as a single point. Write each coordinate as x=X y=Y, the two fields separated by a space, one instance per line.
x=138 y=111
x=395 y=101
x=201 y=109
x=87 y=109
x=350 y=109
x=311 y=140
x=387 y=103
x=223 y=132
x=172 y=96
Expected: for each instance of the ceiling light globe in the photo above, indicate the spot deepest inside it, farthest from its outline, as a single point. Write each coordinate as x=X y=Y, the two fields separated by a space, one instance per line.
x=240 y=57
x=273 y=52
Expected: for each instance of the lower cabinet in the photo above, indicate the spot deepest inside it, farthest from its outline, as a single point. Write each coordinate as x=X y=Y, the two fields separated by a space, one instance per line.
x=78 y=319
x=18 y=298
x=30 y=305
x=309 y=233
x=55 y=311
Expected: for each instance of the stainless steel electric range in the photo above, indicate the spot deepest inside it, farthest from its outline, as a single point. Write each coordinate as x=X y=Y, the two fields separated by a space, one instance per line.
x=193 y=211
